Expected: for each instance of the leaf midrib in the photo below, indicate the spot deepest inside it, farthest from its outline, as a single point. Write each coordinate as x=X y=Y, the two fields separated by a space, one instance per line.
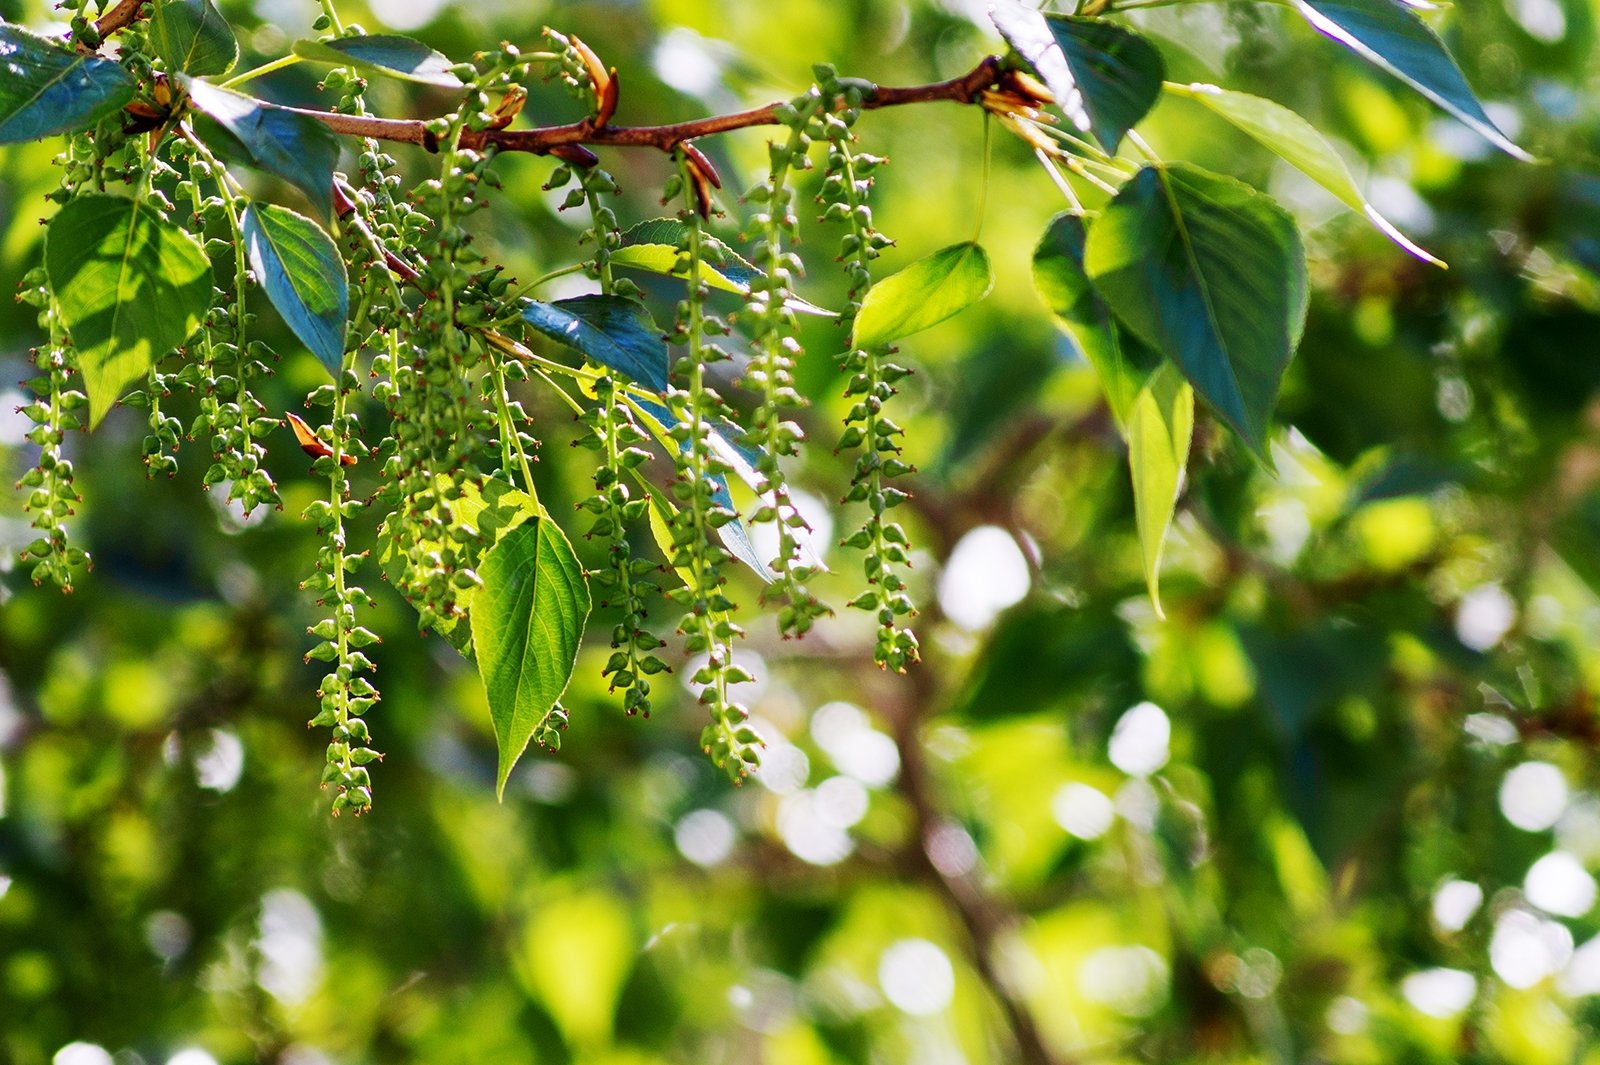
x=1205 y=289
x=77 y=61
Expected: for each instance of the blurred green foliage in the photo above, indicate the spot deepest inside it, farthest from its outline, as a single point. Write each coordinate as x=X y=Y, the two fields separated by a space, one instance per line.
x=1339 y=806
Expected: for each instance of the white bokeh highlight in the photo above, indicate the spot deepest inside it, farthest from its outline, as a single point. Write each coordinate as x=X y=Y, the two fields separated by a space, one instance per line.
x=1083 y=810
x=1141 y=741
x=1559 y=884
x=1441 y=993
x=1533 y=795
x=986 y=573
x=917 y=977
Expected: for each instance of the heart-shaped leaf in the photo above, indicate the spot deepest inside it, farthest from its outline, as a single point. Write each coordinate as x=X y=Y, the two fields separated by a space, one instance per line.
x=613 y=331
x=1392 y=36
x=1117 y=72
x=131 y=287
x=46 y=89
x=293 y=146
x=653 y=246
x=1159 y=428
x=1211 y=274
x=1121 y=360
x=384 y=53
x=1296 y=142
x=933 y=288
x=192 y=37
x=527 y=619
x=304 y=277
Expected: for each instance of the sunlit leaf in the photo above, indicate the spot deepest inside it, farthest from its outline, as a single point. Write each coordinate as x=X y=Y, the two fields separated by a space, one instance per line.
x=1212 y=274
x=192 y=37
x=613 y=331
x=46 y=89
x=1392 y=36
x=131 y=287
x=722 y=439
x=1121 y=360
x=384 y=53
x=293 y=146
x=653 y=246
x=527 y=619
x=493 y=510
x=1025 y=29
x=1296 y=142
x=303 y=275
x=1159 y=428
x=924 y=294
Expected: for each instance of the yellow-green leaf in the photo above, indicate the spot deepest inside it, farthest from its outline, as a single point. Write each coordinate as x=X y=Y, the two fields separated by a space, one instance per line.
x=1159 y=428
x=933 y=288
x=1297 y=142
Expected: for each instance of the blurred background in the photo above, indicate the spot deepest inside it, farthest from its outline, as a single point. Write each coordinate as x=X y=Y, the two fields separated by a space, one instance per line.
x=1339 y=806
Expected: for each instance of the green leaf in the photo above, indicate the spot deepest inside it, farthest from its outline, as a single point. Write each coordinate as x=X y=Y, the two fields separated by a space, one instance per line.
x=131 y=285
x=1392 y=36
x=384 y=53
x=1159 y=428
x=45 y=89
x=1122 y=362
x=924 y=294
x=653 y=246
x=526 y=623
x=1117 y=72
x=613 y=331
x=192 y=37
x=1211 y=274
x=304 y=277
x=1026 y=31
x=1296 y=142
x=293 y=146
x=735 y=535
x=493 y=510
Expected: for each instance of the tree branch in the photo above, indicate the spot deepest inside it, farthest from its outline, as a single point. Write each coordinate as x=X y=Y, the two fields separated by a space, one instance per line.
x=963 y=89
x=125 y=13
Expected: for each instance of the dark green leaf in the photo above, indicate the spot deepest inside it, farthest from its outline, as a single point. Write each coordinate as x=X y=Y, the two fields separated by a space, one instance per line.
x=1159 y=429
x=391 y=54
x=653 y=245
x=1117 y=72
x=304 y=277
x=924 y=294
x=1212 y=275
x=132 y=286
x=527 y=620
x=45 y=89
x=295 y=147
x=1117 y=355
x=1392 y=36
x=192 y=37
x=1296 y=142
x=613 y=331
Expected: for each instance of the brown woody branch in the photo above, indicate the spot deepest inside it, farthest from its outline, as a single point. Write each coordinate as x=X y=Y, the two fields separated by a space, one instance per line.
x=125 y=13
x=964 y=89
